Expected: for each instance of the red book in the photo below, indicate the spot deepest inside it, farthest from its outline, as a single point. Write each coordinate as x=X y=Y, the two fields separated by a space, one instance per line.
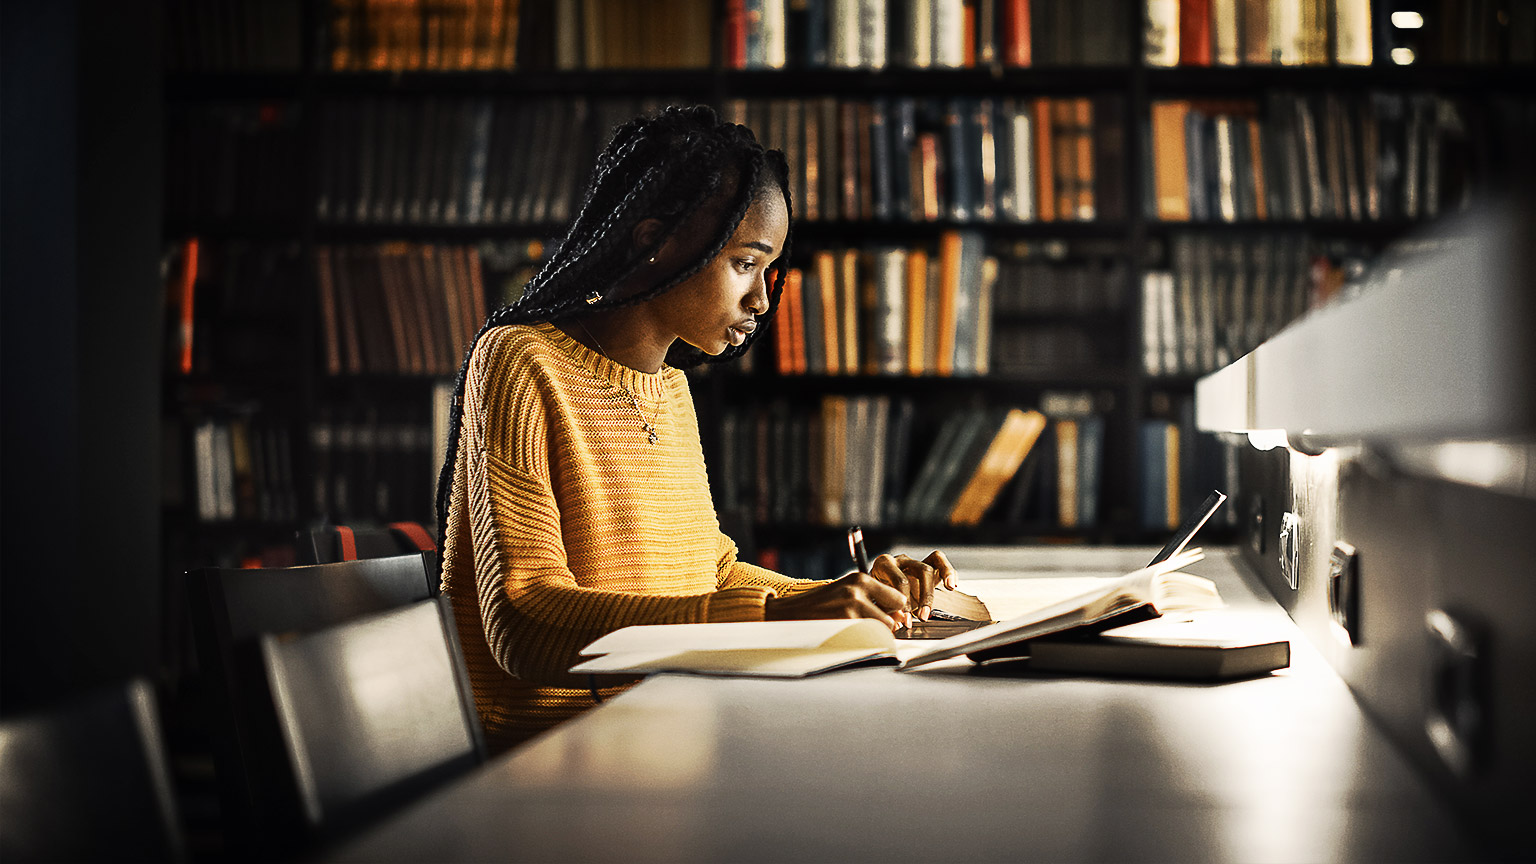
x=1194 y=32
x=734 y=36
x=188 y=282
x=1016 y=33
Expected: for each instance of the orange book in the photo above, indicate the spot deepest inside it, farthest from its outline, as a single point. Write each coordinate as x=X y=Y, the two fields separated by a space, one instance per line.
x=826 y=275
x=1170 y=175
x=1194 y=32
x=464 y=39
x=408 y=30
x=395 y=308
x=917 y=300
x=1066 y=473
x=848 y=294
x=968 y=18
x=1016 y=33
x=1018 y=434
x=1256 y=159
x=1065 y=139
x=1045 y=169
x=1082 y=110
x=794 y=281
x=949 y=287
x=928 y=147
x=376 y=20
x=184 y=319
x=509 y=31
x=1173 y=506
x=344 y=24
x=784 y=337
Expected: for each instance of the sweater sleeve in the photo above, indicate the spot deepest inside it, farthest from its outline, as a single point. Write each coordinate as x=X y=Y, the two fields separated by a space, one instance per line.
x=734 y=574
x=535 y=615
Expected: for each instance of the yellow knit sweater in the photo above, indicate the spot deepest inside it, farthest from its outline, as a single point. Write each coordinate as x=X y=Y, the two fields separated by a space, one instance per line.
x=565 y=523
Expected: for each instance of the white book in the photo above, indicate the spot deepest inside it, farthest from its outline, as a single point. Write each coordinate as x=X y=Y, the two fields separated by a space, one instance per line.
x=1160 y=40
x=202 y=459
x=949 y=33
x=845 y=34
x=1285 y=32
x=1352 y=32
x=1023 y=140
x=773 y=649
x=224 y=471
x=1151 y=325
x=775 y=52
x=872 y=34
x=1224 y=32
x=1169 y=339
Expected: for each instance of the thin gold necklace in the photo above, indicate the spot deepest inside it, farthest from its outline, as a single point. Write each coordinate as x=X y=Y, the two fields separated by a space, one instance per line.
x=650 y=430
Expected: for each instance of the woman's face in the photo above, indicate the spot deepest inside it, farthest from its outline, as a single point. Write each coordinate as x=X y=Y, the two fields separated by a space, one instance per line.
x=717 y=307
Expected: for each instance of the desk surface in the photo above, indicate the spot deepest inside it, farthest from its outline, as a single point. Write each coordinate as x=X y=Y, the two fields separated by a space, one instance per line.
x=941 y=764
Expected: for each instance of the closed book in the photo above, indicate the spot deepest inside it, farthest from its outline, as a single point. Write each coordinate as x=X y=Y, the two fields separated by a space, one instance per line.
x=1084 y=209
x=1022 y=139
x=969 y=308
x=1352 y=32
x=897 y=454
x=1255 y=32
x=1016 y=33
x=1004 y=454
x=1197 y=165
x=873 y=454
x=1090 y=468
x=951 y=251
x=1044 y=153
x=949 y=33
x=831 y=311
x=1160 y=33
x=1226 y=169
x=844 y=28
x=1064 y=161
x=1172 y=658
x=985 y=148
x=849 y=133
x=1152 y=440
x=1066 y=472
x=1108 y=183
x=958 y=168
x=834 y=458
x=920 y=489
x=774 y=649
x=848 y=291
x=1170 y=160
x=881 y=166
x=888 y=323
x=1195 y=32
x=1225 y=39
x=916 y=284
x=814 y=333
x=903 y=141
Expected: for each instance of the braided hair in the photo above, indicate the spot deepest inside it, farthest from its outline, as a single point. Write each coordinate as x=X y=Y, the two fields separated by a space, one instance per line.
x=664 y=167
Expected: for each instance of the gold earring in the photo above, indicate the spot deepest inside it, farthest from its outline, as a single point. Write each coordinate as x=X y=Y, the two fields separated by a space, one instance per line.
x=653 y=259
x=593 y=298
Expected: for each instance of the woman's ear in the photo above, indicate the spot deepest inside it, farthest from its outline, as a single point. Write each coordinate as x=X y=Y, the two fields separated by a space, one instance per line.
x=647 y=236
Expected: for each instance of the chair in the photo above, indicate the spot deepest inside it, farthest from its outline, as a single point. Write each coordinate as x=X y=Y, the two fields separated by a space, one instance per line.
x=373 y=711
x=330 y=543
x=87 y=781
x=229 y=609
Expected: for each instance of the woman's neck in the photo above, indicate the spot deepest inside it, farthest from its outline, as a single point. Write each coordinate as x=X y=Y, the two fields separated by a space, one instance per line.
x=626 y=336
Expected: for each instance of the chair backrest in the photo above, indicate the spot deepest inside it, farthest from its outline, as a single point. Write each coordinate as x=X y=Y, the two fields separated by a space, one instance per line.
x=229 y=610
x=87 y=781
x=330 y=543
x=373 y=711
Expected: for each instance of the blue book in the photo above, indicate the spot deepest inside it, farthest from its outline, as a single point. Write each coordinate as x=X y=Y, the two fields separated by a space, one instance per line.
x=958 y=159
x=1154 y=474
x=880 y=156
x=1090 y=468
x=903 y=132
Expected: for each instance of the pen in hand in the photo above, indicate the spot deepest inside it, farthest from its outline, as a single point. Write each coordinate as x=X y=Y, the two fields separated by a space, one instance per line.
x=860 y=557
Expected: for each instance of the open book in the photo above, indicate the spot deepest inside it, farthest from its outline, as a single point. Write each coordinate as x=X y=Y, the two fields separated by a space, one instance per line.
x=777 y=649
x=1137 y=596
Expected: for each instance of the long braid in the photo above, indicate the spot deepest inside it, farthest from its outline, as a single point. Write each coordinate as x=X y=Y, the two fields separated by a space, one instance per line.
x=664 y=167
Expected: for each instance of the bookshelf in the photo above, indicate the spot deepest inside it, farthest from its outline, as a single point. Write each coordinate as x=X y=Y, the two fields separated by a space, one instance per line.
x=377 y=164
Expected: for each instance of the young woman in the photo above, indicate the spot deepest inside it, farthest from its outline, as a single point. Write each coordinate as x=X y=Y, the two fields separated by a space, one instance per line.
x=574 y=500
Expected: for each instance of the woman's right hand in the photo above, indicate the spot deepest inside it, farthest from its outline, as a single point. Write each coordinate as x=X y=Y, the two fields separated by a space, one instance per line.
x=857 y=595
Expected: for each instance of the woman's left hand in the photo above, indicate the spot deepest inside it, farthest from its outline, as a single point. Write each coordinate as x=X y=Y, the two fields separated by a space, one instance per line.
x=916 y=579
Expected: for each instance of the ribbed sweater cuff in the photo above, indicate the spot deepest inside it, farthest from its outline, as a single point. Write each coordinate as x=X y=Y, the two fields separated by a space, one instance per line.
x=737 y=604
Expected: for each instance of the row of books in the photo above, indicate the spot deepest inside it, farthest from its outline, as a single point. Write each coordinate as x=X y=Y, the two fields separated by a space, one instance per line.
x=370 y=466
x=237 y=467
x=1179 y=465
x=1221 y=296
x=233 y=35
x=460 y=161
x=867 y=459
x=1064 y=349
x=889 y=310
x=1378 y=156
x=230 y=306
x=432 y=35
x=923 y=34
x=228 y=160
x=963 y=160
x=1059 y=277
x=398 y=308
x=1259 y=32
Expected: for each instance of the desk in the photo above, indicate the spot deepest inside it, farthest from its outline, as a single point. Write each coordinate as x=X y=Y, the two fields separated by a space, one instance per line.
x=877 y=765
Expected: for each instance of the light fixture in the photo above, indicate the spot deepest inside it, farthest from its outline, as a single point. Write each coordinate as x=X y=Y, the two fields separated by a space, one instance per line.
x=1402 y=56
x=1407 y=20
x=1267 y=439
